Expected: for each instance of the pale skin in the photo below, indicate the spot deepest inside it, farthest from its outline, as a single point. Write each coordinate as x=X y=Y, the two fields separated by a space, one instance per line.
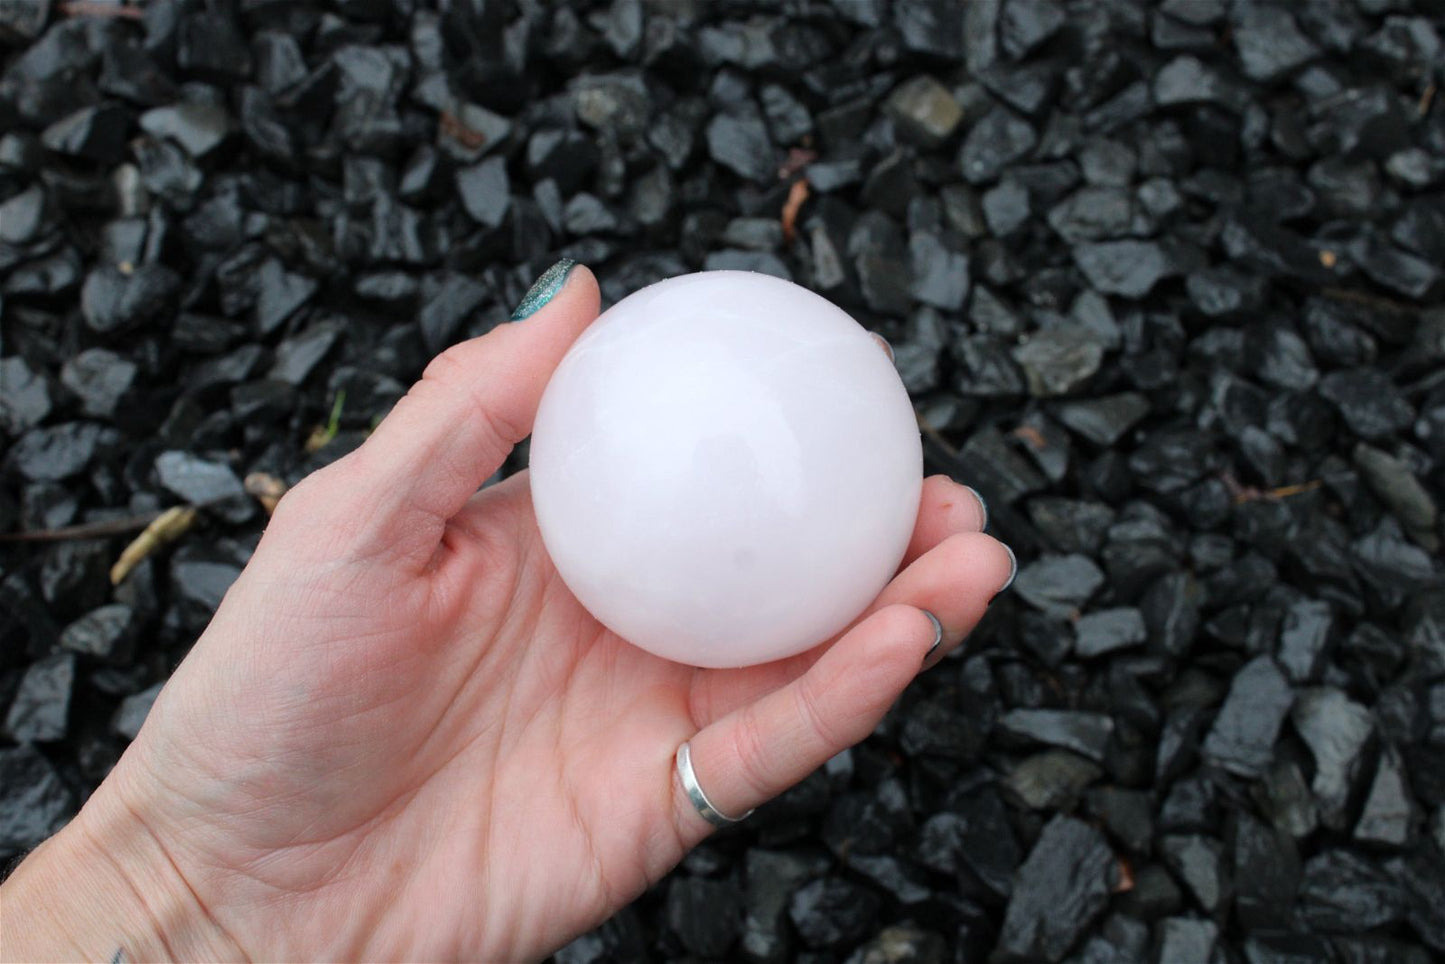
x=401 y=738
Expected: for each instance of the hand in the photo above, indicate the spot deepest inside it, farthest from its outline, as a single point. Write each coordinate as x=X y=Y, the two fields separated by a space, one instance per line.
x=402 y=738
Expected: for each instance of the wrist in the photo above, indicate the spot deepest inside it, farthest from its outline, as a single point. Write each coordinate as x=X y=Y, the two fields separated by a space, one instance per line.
x=101 y=887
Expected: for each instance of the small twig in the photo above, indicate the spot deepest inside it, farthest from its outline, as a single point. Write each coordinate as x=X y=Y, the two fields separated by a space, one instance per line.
x=1249 y=493
x=86 y=530
x=1426 y=99
x=453 y=127
x=797 y=159
x=1371 y=301
x=90 y=8
x=169 y=526
x=1126 y=877
x=797 y=195
x=1032 y=436
x=1285 y=491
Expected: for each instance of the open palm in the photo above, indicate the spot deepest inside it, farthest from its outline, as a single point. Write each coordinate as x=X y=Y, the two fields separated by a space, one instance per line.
x=402 y=738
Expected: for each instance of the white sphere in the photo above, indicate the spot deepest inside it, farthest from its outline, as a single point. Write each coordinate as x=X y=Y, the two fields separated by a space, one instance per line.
x=725 y=469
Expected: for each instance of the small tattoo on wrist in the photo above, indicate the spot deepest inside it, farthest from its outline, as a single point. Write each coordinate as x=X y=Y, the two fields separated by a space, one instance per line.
x=118 y=957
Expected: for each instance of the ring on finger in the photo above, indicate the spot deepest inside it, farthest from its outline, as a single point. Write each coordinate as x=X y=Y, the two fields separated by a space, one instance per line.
x=704 y=806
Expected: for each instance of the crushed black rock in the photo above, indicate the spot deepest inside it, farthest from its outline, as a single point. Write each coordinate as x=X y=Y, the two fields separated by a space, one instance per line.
x=1162 y=281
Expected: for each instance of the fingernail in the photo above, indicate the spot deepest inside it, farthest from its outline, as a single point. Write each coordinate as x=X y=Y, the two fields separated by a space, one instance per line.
x=544 y=289
x=1013 y=570
x=981 y=504
x=937 y=637
x=883 y=344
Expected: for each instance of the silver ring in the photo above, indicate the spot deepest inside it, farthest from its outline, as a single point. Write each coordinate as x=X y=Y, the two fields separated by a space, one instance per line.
x=694 y=791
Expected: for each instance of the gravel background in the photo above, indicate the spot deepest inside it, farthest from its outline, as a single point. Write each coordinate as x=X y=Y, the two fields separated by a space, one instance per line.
x=1163 y=278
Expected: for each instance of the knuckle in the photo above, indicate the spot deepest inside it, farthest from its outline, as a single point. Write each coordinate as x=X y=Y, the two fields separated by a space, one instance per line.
x=451 y=374
x=751 y=752
x=814 y=717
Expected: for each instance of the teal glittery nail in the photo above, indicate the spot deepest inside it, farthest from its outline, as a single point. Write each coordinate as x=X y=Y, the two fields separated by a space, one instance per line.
x=544 y=289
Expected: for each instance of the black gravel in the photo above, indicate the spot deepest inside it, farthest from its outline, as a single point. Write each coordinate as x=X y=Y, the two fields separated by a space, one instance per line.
x=1164 y=280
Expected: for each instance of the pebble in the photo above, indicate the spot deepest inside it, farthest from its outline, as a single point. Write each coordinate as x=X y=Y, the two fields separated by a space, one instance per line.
x=833 y=911
x=1062 y=886
x=1336 y=729
x=1108 y=630
x=35 y=801
x=1243 y=736
x=40 y=709
x=924 y=110
x=1058 y=584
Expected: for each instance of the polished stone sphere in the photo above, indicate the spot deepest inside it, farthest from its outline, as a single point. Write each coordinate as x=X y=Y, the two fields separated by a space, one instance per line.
x=726 y=469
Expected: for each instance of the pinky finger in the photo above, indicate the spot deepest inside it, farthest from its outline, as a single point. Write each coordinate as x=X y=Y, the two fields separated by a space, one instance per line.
x=761 y=749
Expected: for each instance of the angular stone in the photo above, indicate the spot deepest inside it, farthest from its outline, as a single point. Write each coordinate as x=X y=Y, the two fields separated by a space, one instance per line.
x=999 y=139
x=1058 y=584
x=58 y=451
x=1130 y=268
x=1303 y=637
x=1108 y=630
x=1198 y=861
x=99 y=378
x=1392 y=267
x=1084 y=733
x=940 y=275
x=133 y=710
x=280 y=294
x=1242 y=738
x=1390 y=814
x=1342 y=892
x=1006 y=207
x=1053 y=780
x=1056 y=361
x=198 y=127
x=1185 y=940
x=1266 y=874
x=24 y=396
x=1024 y=25
x=833 y=911
x=1094 y=213
x=902 y=943
x=298 y=356
x=21 y=21
x=1062 y=886
x=197 y=480
x=23 y=219
x=937 y=29
x=1335 y=728
x=1104 y=419
x=1188 y=80
x=34 y=801
x=485 y=191
x=771 y=879
x=706 y=915
x=739 y=141
x=105 y=633
x=95 y=133
x=113 y=298
x=1269 y=42
x=788 y=117
x=924 y=110
x=1424 y=879
x=40 y=711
